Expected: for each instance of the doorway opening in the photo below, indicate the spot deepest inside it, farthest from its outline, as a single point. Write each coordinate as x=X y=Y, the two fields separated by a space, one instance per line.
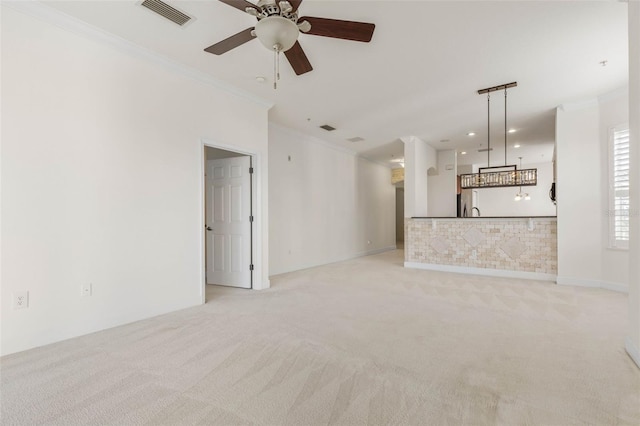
x=228 y=218
x=400 y=216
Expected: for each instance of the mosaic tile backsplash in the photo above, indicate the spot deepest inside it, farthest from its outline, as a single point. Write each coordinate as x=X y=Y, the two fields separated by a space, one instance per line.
x=507 y=244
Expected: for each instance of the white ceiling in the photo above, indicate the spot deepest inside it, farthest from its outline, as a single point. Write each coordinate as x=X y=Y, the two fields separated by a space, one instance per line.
x=418 y=76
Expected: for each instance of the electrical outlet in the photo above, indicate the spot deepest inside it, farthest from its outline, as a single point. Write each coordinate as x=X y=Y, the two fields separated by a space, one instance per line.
x=21 y=299
x=85 y=289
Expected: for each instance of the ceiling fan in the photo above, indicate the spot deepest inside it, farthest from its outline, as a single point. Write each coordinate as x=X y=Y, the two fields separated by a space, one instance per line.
x=278 y=28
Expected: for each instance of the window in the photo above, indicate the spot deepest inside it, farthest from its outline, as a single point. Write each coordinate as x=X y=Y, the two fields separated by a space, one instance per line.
x=619 y=187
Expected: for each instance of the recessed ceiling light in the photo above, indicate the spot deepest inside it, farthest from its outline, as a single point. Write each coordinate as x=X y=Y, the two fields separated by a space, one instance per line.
x=464 y=153
x=517 y=145
x=471 y=134
x=444 y=140
x=260 y=79
x=512 y=130
x=356 y=139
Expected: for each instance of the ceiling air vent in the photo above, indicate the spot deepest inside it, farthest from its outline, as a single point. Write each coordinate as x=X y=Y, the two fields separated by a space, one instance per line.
x=327 y=127
x=356 y=139
x=169 y=12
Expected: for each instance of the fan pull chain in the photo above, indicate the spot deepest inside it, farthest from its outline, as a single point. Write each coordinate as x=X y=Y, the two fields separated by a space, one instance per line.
x=276 y=65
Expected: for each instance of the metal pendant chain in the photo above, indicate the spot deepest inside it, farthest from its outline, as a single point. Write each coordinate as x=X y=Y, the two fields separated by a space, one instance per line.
x=505 y=125
x=488 y=129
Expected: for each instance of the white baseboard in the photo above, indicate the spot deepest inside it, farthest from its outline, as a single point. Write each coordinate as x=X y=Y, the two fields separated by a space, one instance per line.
x=357 y=255
x=582 y=282
x=338 y=259
x=482 y=271
x=633 y=351
x=378 y=251
x=264 y=285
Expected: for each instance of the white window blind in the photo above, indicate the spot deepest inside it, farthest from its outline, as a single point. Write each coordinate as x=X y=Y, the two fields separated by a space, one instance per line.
x=619 y=184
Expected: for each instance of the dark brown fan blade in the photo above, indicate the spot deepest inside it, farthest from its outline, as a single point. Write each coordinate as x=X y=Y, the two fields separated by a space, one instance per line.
x=298 y=59
x=347 y=30
x=239 y=4
x=295 y=4
x=229 y=43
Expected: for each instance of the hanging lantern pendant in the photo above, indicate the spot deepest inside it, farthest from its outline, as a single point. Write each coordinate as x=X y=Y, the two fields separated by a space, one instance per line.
x=499 y=176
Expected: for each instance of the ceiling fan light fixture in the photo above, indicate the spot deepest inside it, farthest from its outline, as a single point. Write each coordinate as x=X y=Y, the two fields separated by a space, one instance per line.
x=277 y=33
x=252 y=11
x=285 y=6
x=278 y=27
x=304 y=26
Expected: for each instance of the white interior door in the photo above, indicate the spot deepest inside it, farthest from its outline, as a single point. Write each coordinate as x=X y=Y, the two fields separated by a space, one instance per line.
x=228 y=227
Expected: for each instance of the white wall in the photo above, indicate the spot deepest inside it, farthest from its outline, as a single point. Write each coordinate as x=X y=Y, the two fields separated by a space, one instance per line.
x=633 y=341
x=578 y=193
x=326 y=203
x=584 y=257
x=500 y=201
x=419 y=157
x=442 y=186
x=101 y=181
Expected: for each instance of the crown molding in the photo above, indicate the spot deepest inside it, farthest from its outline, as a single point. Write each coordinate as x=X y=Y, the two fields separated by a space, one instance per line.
x=318 y=141
x=576 y=106
x=595 y=102
x=613 y=95
x=309 y=138
x=47 y=14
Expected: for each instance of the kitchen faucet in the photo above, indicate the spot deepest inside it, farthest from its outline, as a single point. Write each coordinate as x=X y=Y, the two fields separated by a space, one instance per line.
x=475 y=208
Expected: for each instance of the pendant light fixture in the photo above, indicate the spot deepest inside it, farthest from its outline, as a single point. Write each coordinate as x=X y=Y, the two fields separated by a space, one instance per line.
x=498 y=176
x=520 y=195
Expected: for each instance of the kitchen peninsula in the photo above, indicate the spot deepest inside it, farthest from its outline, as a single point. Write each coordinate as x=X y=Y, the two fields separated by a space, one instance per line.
x=518 y=247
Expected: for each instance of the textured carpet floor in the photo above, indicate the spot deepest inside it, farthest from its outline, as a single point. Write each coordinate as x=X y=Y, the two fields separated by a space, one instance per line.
x=358 y=342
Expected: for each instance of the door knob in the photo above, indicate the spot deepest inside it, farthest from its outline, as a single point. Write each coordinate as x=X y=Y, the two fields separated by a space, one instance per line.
x=209 y=228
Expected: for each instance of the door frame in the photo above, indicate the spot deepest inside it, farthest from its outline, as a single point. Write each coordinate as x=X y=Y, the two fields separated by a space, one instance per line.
x=256 y=211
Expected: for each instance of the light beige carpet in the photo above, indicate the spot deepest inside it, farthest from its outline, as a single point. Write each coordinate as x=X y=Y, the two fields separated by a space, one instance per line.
x=357 y=342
